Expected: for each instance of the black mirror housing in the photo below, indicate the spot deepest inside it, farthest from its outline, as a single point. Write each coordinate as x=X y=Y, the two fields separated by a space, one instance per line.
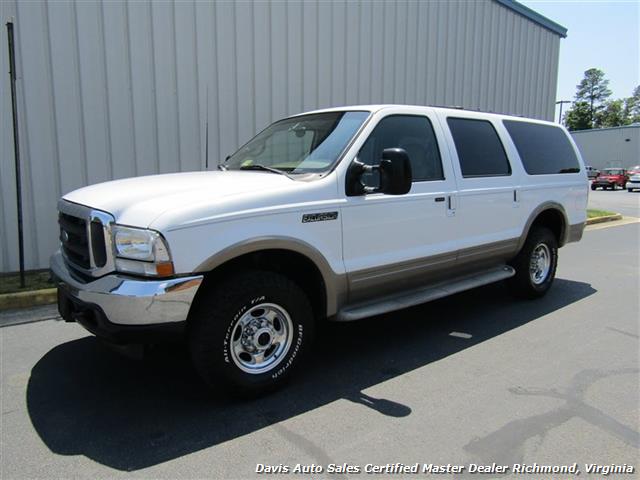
x=395 y=172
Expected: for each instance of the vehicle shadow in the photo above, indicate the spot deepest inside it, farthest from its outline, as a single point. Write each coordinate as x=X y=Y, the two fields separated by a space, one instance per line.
x=85 y=399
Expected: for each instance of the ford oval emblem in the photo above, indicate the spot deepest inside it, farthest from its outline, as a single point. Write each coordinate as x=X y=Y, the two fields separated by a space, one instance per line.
x=65 y=237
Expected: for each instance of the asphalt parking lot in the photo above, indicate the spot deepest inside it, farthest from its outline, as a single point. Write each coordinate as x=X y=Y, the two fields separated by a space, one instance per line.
x=478 y=377
x=618 y=201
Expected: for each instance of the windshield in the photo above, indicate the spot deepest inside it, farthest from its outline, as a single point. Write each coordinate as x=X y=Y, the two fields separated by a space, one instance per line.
x=305 y=144
x=612 y=172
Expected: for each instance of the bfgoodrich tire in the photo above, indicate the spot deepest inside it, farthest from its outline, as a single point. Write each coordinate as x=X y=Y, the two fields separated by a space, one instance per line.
x=248 y=333
x=535 y=265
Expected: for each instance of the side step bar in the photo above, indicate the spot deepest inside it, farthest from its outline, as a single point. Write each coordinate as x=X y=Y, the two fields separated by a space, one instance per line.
x=420 y=295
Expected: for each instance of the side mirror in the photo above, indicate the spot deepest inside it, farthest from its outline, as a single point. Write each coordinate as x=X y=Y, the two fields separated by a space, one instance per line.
x=395 y=174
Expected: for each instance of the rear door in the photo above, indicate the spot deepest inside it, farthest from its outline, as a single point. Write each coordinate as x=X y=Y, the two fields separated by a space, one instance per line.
x=487 y=207
x=393 y=242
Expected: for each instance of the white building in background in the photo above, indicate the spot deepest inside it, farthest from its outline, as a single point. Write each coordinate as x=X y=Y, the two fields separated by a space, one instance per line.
x=609 y=147
x=110 y=89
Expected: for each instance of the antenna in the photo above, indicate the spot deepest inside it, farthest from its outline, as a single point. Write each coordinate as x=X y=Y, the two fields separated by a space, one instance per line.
x=206 y=130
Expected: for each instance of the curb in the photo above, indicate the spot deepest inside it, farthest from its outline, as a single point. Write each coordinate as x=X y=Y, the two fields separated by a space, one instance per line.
x=606 y=218
x=28 y=299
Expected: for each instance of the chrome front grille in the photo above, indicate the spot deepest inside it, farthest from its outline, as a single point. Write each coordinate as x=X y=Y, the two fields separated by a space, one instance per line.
x=74 y=239
x=85 y=238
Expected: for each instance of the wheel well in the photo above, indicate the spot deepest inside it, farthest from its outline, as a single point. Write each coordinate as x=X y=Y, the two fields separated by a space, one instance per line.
x=293 y=265
x=554 y=221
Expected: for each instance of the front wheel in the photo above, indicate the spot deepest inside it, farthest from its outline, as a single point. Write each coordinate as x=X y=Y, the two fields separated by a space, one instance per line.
x=593 y=187
x=250 y=332
x=535 y=265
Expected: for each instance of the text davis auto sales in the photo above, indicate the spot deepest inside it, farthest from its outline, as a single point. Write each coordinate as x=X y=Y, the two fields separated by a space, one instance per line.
x=430 y=468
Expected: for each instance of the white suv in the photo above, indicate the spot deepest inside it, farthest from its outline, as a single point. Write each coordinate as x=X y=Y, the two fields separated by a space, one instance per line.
x=336 y=214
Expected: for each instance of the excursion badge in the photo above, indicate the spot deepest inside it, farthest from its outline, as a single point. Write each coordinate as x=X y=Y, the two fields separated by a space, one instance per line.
x=319 y=217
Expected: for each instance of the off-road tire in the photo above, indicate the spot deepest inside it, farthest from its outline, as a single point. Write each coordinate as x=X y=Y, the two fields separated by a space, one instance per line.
x=217 y=311
x=521 y=284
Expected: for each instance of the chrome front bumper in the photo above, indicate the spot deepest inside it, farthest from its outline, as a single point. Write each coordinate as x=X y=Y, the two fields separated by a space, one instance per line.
x=127 y=300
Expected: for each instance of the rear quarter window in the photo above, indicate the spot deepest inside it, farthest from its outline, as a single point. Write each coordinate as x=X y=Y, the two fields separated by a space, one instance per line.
x=543 y=149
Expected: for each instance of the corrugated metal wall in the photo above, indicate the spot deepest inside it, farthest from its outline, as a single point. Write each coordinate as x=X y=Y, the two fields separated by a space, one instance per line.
x=609 y=147
x=110 y=90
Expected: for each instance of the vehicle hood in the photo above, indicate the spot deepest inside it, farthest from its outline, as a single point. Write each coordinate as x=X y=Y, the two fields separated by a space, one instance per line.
x=139 y=201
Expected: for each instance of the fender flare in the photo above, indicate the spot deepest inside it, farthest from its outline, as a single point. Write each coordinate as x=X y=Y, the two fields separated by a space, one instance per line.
x=564 y=229
x=335 y=283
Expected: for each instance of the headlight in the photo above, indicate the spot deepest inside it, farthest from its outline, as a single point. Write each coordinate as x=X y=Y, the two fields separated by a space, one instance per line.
x=141 y=251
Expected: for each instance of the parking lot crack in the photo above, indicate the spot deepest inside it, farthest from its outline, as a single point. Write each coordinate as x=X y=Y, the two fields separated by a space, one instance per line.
x=307 y=446
x=507 y=443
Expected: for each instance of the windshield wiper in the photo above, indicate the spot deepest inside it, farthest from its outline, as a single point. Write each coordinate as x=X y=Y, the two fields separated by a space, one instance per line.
x=222 y=167
x=259 y=166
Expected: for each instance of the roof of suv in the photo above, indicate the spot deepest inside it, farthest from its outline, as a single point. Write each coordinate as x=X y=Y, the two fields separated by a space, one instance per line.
x=453 y=110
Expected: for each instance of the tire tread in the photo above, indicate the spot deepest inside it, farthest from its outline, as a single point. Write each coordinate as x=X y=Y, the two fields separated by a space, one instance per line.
x=206 y=331
x=520 y=284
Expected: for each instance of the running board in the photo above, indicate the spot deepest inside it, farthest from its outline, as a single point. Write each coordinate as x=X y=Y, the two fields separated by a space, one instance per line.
x=420 y=295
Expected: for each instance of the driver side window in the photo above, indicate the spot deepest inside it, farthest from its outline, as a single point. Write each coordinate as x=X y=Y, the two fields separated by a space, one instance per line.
x=412 y=133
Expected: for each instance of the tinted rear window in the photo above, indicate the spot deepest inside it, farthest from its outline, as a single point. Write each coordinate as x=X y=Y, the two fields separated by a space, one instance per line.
x=544 y=149
x=479 y=148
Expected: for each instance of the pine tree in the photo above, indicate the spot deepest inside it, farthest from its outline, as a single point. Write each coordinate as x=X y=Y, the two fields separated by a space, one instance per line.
x=632 y=106
x=594 y=90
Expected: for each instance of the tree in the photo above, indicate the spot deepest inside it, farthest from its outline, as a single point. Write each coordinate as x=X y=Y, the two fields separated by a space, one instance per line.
x=632 y=106
x=591 y=108
x=594 y=90
x=578 y=117
x=612 y=115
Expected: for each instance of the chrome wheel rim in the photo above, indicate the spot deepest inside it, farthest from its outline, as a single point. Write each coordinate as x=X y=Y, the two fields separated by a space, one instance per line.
x=540 y=264
x=261 y=338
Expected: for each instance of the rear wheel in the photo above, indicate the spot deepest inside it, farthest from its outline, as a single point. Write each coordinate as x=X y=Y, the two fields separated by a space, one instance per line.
x=593 y=187
x=250 y=332
x=535 y=265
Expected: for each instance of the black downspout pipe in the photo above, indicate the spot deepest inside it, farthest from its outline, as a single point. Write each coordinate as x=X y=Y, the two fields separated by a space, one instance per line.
x=16 y=146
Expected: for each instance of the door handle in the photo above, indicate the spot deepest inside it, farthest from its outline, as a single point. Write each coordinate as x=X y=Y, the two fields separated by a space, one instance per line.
x=439 y=199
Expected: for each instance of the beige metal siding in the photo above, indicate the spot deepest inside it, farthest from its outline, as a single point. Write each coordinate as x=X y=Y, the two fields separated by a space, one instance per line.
x=112 y=89
x=609 y=147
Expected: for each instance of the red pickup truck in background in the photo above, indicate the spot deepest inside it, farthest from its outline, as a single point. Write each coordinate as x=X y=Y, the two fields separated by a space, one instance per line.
x=610 y=178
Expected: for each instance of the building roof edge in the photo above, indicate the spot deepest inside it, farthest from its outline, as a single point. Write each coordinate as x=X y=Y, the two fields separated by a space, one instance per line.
x=534 y=17
x=633 y=125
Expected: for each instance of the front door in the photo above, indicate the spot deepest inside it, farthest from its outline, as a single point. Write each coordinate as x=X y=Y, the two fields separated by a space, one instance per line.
x=393 y=242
